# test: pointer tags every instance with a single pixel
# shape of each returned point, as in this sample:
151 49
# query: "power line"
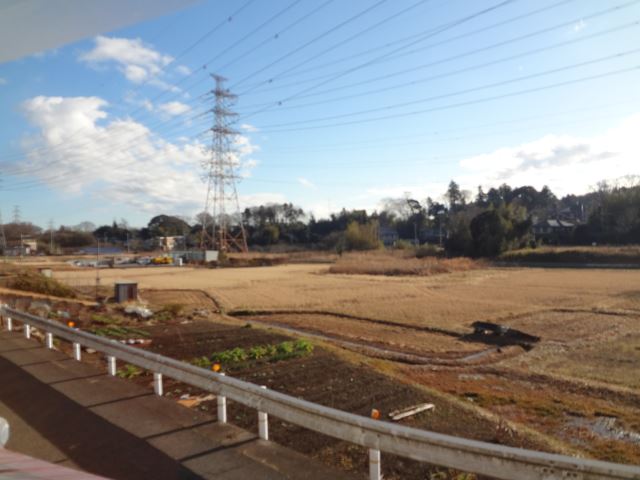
201 39
70 146
378 48
278 130
445 74
311 42
253 32
189 48
435 141
62 147
341 43
254 48
465 103
277 35
65 179
436 31
460 92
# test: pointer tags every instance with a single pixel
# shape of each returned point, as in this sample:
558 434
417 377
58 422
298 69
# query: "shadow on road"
85 438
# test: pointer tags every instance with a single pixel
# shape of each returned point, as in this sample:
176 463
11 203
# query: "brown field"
382 263
575 390
450 301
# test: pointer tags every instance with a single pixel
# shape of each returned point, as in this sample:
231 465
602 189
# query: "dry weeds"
629 254
383 263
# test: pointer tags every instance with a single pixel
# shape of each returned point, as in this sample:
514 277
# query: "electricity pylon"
226 232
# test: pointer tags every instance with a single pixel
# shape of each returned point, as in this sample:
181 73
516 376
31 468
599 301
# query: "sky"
340 104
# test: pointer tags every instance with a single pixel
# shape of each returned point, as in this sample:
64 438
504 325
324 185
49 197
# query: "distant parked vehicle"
162 261
143 260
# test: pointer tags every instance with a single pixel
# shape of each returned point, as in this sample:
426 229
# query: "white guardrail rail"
496 461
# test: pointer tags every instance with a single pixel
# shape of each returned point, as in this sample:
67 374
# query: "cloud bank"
567 164
79 148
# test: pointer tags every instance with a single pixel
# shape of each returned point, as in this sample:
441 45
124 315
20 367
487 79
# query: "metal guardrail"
473 456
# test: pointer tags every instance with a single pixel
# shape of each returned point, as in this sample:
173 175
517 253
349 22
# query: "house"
553 230
26 247
388 236
166 244
30 245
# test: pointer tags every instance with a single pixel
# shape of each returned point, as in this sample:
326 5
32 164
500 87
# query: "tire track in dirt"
389 323
386 353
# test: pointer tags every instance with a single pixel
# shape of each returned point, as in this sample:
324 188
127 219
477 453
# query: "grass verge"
38 283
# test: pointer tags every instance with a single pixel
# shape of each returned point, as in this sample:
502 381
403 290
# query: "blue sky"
342 104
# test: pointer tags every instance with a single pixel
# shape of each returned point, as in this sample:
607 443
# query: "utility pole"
3 238
16 214
97 268
416 210
221 171
50 237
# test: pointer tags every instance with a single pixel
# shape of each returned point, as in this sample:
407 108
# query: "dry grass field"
576 389
382 263
450 301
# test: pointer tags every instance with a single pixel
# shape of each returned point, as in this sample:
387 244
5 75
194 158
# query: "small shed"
126 291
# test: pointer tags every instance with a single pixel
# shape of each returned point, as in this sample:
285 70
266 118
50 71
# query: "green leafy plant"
304 346
203 362
270 353
104 320
286 348
129 371
258 352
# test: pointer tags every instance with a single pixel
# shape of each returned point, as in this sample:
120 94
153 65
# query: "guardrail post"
263 423
4 432
157 384
375 471
222 407
27 330
9 324
77 351
49 340
111 365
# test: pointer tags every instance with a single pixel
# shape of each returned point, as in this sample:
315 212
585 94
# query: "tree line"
475 224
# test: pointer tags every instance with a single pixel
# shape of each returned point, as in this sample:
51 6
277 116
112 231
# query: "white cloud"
147 105
417 191
135 60
80 149
307 183
565 163
174 108
3 81
249 128
579 26
183 70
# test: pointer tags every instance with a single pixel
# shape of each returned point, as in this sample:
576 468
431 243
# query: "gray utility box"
126 292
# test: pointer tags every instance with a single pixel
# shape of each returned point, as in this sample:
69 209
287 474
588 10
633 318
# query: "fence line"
483 458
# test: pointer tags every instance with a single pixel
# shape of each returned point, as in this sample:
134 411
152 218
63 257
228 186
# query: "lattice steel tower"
226 232
3 239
